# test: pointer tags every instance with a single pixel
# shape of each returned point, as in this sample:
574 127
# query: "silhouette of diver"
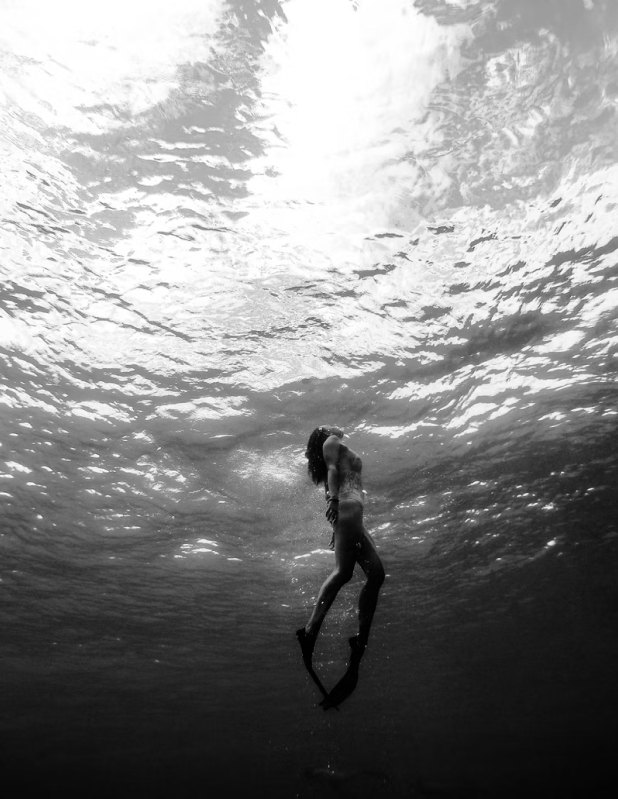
339 468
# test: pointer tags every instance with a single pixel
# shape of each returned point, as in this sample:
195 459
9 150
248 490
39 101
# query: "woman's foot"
307 643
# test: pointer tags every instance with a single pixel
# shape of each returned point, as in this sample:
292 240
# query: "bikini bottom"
351 494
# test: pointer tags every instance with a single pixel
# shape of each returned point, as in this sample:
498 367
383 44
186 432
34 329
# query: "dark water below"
224 223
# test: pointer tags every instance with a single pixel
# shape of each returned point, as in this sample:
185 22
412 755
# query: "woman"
339 469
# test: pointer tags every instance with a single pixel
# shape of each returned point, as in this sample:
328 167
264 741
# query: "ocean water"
224 222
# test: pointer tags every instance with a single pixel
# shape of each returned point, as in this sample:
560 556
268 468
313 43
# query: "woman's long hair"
317 465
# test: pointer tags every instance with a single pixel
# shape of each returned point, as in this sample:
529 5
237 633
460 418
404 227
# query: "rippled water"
224 223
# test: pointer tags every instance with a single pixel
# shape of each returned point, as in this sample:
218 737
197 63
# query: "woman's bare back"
349 474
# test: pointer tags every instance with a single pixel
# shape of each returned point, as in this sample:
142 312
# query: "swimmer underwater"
339 469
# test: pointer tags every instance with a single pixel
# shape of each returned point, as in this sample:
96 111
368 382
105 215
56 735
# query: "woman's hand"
332 511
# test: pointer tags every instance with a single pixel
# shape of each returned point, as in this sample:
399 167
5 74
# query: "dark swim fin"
307 644
344 688
318 682
357 651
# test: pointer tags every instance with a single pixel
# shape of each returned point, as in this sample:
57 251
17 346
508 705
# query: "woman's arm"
331 457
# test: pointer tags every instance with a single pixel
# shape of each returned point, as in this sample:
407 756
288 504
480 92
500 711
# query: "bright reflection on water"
224 223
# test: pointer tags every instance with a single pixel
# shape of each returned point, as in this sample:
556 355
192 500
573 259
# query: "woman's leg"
348 534
369 560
